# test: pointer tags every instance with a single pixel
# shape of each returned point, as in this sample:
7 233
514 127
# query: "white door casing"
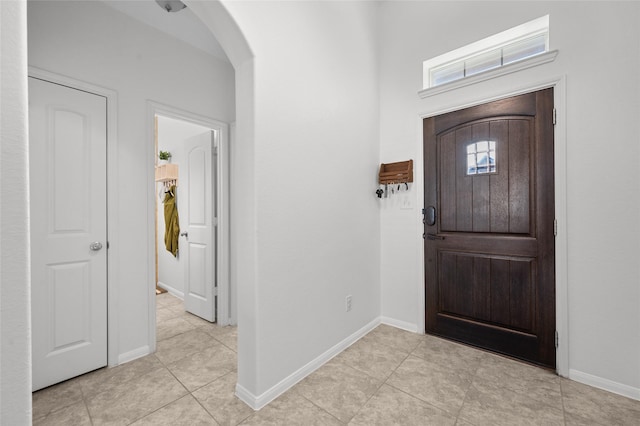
68 214
198 246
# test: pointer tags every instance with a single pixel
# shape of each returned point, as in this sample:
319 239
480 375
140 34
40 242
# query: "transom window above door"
481 157
518 48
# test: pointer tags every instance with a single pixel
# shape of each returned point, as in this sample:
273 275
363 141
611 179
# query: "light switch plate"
406 203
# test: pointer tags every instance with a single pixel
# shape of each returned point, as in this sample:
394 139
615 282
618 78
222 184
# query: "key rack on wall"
400 174
393 173
167 174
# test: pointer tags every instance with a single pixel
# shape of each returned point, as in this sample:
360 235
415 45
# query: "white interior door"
199 249
67 153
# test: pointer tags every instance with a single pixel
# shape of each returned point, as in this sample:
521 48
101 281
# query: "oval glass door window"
481 157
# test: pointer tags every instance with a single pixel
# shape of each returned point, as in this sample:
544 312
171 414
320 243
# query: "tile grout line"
411 353
180 334
86 405
368 399
316 405
487 354
160 408
356 370
189 393
411 395
203 407
464 400
56 409
383 381
564 412
202 327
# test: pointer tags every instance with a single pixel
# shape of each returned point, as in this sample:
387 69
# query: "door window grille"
481 157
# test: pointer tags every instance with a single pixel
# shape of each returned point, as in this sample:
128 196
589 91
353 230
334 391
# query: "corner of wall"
258 401
403 325
605 384
134 354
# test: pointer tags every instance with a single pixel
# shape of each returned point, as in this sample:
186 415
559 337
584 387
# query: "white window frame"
513 35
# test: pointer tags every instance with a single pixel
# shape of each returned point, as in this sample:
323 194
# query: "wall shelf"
167 173
392 173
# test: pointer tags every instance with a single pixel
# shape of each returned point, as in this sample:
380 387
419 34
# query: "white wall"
171 136
600 57
15 312
94 43
316 157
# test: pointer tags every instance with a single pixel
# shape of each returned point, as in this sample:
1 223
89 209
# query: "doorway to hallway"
198 271
186 214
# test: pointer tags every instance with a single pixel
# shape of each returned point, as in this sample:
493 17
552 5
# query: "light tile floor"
389 377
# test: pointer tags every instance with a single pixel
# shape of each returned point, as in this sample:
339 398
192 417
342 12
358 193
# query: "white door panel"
67 146
200 255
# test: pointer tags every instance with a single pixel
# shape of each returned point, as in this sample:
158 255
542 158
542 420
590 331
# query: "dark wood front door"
489 227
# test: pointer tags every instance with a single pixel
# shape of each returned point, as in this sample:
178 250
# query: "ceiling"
183 25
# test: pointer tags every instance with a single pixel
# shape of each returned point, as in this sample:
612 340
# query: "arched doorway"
222 24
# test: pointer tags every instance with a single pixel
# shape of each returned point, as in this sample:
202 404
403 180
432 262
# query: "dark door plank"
500 292
464 183
481 306
499 198
447 210
521 295
481 185
519 176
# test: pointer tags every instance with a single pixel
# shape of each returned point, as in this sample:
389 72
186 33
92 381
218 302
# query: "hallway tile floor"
389 377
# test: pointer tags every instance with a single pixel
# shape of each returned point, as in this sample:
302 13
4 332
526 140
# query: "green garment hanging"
171 222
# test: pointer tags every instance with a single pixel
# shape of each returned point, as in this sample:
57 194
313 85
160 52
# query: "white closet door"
68 154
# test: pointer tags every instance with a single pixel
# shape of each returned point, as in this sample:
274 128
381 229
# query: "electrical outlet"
347 301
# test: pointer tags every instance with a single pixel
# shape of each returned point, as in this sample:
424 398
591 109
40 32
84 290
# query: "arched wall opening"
221 23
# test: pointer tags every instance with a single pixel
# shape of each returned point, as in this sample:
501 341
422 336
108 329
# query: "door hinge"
555 227
555 116
557 339
107 245
215 291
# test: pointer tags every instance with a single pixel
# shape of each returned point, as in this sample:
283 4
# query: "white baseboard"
134 354
246 396
605 384
257 402
177 293
403 325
